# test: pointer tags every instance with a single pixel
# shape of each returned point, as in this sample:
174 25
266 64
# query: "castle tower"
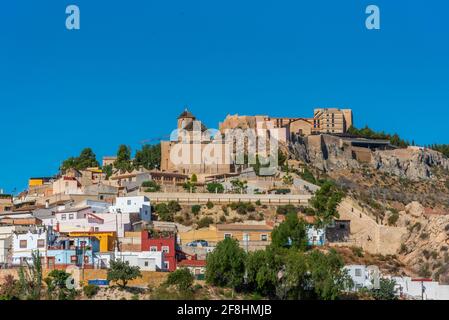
185 118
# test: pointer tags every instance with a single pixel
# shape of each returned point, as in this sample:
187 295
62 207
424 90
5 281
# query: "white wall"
154 259
31 244
140 204
433 290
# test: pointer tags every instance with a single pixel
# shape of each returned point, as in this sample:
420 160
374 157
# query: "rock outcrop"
327 153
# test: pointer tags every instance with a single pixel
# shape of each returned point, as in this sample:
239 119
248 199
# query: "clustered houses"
85 218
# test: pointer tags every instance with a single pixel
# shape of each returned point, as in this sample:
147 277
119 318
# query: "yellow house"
107 239
207 234
250 236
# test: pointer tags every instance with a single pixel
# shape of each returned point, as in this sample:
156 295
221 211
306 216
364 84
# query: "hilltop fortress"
193 138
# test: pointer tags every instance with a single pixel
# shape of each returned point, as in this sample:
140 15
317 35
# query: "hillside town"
161 212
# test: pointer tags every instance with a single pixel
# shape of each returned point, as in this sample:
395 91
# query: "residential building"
331 120
67 185
6 203
137 204
251 237
35 239
145 260
195 266
165 242
316 236
107 240
74 251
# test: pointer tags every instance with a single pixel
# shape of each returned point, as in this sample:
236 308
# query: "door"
50 262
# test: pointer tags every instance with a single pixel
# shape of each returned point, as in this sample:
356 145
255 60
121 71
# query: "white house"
145 260
37 239
137 204
6 233
315 236
363 276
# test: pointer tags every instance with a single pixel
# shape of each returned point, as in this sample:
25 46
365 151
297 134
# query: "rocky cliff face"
328 153
425 247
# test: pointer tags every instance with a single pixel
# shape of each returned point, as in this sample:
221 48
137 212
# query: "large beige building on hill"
190 144
325 120
192 140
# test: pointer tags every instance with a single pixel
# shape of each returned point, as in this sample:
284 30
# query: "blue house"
73 251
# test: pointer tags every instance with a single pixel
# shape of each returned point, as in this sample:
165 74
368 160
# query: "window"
165 249
63 217
166 265
128 202
227 235
71 216
86 259
40 243
358 272
23 244
73 259
146 263
263 237
153 248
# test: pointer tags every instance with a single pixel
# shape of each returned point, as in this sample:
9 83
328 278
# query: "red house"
164 243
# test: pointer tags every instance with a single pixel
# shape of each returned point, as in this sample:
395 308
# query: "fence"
193 198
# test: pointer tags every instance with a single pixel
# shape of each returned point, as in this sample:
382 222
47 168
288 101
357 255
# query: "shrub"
196 208
181 278
215 187
225 210
179 219
286 209
424 235
258 203
357 251
209 204
173 206
222 219
393 218
164 213
151 186
205 222
403 248
90 290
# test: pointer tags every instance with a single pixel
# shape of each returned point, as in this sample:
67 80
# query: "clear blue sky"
134 65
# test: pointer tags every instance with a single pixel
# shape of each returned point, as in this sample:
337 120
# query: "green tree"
215 187
226 265
86 159
164 213
57 287
181 278
148 157
294 282
121 272
387 290
108 170
194 178
173 206
30 278
189 186
262 267
123 161
239 186
327 274
290 233
196 208
325 202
